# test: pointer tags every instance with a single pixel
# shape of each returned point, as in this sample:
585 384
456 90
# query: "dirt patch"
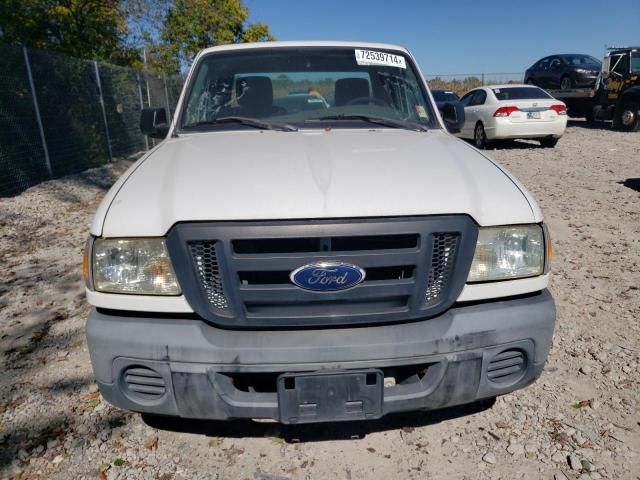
580 420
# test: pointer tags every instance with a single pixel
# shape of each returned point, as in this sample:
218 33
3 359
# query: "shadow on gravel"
42 429
99 180
599 125
514 145
511 145
632 183
318 432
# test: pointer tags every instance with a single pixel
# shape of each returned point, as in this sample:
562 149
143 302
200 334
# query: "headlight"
508 252
133 265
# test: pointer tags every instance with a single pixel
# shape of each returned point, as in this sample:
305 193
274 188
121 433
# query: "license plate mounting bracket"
330 396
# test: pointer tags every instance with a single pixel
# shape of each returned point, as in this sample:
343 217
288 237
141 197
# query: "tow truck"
616 95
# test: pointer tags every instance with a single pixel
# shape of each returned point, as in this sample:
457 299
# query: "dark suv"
564 72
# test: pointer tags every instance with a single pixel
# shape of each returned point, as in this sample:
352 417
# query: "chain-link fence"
61 115
463 82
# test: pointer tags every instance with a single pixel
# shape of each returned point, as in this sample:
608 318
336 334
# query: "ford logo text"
327 276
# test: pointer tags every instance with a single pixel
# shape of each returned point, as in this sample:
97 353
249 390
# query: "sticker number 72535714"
372 57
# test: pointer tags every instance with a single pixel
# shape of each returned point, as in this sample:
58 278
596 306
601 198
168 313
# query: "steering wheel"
367 101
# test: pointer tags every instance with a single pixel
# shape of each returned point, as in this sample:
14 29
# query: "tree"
257 32
192 25
92 29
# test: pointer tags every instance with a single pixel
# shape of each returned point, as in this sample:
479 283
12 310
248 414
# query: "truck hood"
269 175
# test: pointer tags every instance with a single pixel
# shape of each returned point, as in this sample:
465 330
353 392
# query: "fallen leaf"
236 450
216 441
12 405
502 425
582 404
371 450
152 443
90 396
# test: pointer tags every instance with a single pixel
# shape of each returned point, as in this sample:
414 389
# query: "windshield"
635 62
520 93
578 60
306 88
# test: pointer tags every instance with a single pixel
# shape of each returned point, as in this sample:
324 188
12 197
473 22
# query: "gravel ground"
580 420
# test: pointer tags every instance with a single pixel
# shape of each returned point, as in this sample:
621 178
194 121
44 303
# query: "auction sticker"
372 57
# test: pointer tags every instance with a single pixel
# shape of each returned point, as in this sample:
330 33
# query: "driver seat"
348 89
255 96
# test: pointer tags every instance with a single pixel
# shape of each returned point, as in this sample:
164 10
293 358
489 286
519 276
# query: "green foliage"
145 22
192 25
92 29
170 32
145 19
257 32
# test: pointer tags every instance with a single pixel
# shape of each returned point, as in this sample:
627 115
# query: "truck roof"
316 43
619 49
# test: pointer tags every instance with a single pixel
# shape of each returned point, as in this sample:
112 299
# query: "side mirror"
453 116
153 122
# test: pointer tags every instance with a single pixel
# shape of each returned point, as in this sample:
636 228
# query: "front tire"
566 83
480 137
629 117
549 142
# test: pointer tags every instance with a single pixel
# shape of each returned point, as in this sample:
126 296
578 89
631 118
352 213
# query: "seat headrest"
255 95
347 89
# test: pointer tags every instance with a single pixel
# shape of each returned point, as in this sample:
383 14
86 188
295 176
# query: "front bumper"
585 81
201 366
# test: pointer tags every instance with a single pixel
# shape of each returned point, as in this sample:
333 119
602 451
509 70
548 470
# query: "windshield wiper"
387 122
251 122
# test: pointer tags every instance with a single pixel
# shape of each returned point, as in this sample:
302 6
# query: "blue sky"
473 36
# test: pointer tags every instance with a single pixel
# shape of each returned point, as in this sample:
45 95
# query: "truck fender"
630 93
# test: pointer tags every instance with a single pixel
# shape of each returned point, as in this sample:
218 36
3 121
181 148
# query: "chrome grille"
442 262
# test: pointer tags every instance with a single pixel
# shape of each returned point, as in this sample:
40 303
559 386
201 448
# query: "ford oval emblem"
327 276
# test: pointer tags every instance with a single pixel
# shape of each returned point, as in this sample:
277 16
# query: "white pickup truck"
310 243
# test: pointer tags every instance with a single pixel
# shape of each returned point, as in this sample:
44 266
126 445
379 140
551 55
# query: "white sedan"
512 111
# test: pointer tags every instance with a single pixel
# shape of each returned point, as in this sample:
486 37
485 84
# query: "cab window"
635 62
467 98
544 64
620 64
479 98
555 63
